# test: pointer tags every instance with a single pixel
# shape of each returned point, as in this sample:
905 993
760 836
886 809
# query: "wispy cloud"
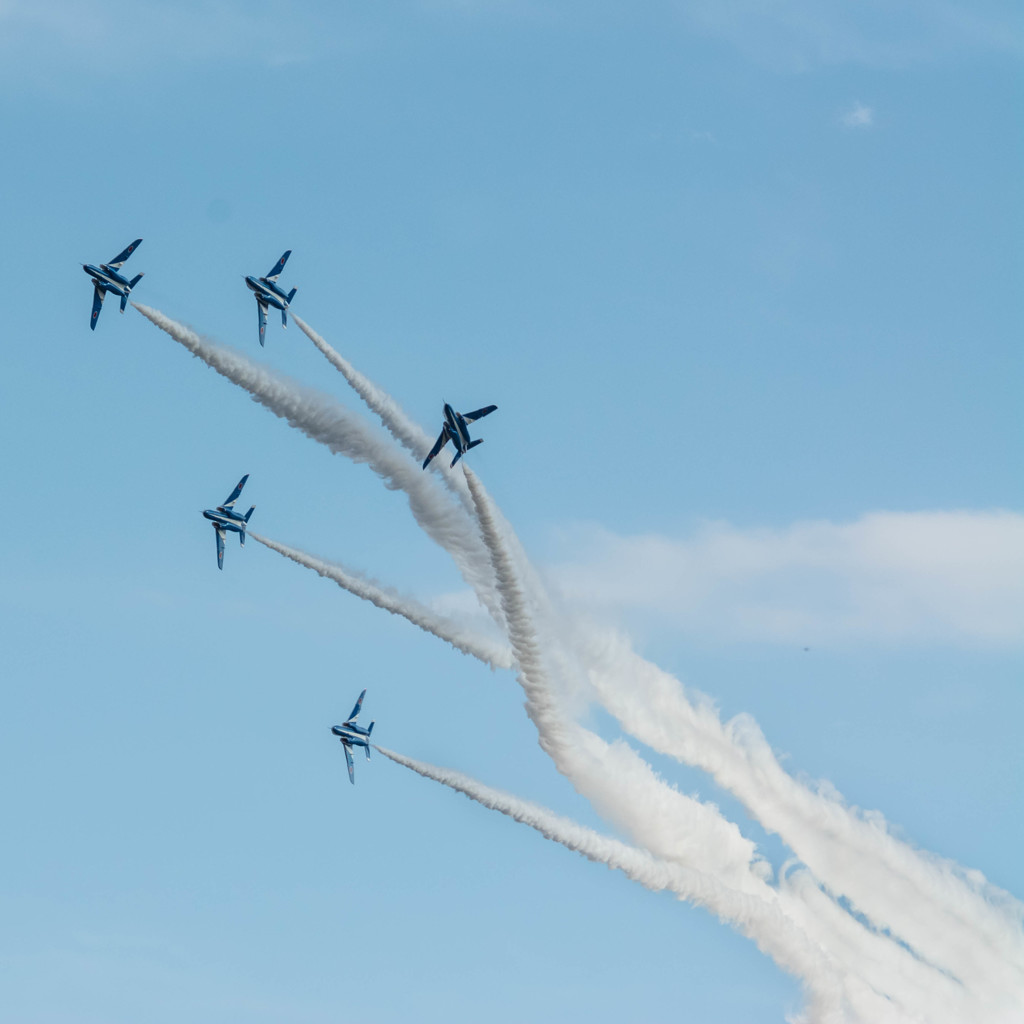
859 116
795 35
39 39
947 577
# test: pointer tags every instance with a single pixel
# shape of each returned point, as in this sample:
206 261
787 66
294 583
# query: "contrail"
932 941
612 776
959 924
401 426
879 959
405 430
541 709
334 426
490 652
758 918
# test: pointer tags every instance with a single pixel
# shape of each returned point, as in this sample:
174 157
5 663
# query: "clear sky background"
745 286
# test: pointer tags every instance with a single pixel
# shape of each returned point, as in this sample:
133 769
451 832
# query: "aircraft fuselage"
108 279
268 292
226 519
351 734
458 429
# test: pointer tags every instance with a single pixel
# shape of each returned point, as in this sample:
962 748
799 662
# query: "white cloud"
859 116
939 577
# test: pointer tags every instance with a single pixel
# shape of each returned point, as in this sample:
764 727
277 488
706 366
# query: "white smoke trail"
331 424
490 652
650 710
953 920
402 427
950 918
879 959
405 430
832 997
618 782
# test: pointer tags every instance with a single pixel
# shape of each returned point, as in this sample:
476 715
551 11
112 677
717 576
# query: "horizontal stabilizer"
473 444
135 280
291 294
124 302
249 513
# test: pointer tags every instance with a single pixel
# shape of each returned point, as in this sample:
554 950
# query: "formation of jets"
107 278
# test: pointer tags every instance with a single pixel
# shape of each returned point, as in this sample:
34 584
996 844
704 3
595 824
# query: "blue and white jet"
268 294
456 430
105 278
352 735
224 518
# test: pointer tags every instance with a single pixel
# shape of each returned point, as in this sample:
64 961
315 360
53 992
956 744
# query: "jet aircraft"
352 735
224 518
105 278
268 294
455 429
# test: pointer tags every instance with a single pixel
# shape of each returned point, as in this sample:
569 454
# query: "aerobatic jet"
268 294
352 735
105 278
224 518
455 429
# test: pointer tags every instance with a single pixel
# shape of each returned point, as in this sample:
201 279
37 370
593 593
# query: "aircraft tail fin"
368 731
291 294
284 317
249 513
458 455
124 302
135 280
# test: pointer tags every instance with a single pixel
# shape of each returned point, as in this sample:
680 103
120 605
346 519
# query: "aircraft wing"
220 546
355 711
478 414
97 305
275 270
233 496
119 259
262 306
351 766
442 440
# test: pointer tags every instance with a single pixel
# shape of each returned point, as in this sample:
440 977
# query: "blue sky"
745 288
